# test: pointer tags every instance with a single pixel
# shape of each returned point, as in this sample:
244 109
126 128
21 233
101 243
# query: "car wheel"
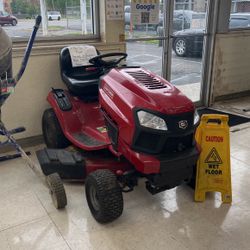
58 18
52 132
180 47
14 22
50 18
104 195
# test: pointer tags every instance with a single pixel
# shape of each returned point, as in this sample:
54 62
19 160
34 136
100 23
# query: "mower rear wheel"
57 190
52 132
104 196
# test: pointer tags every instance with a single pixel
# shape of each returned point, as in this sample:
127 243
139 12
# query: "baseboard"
26 142
232 96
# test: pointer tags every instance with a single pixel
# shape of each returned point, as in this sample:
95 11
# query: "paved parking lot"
56 28
184 70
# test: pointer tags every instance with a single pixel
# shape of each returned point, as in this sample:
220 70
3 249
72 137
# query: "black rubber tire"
57 190
50 18
14 23
59 18
52 132
177 52
108 195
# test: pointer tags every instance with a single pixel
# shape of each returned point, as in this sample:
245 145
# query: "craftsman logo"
213 157
183 124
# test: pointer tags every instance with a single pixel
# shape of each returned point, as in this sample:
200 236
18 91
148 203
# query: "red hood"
150 91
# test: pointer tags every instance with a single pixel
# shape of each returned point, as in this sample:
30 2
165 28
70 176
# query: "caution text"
214 138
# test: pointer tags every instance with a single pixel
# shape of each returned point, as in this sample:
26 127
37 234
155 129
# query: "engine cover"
124 91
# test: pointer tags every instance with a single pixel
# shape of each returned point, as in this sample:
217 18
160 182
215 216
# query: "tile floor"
169 220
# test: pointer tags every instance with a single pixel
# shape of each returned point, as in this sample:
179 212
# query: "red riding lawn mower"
126 123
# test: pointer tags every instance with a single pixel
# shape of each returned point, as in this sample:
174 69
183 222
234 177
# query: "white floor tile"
40 234
19 206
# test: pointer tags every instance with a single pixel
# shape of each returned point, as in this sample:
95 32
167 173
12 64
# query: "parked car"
239 20
6 18
190 41
54 15
182 20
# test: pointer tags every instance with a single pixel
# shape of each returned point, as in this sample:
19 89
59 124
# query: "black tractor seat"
81 81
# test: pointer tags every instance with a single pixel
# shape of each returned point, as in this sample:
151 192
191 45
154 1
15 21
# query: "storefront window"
60 18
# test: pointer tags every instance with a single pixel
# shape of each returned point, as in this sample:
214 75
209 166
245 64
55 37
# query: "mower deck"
76 165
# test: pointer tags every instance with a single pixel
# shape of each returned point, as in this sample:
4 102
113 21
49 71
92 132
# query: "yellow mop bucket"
213 167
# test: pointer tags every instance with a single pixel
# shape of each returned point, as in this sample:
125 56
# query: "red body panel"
144 163
82 118
119 95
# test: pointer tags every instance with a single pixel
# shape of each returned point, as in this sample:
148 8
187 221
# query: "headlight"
149 120
196 117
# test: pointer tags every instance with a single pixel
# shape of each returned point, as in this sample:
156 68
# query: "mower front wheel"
57 190
104 196
52 132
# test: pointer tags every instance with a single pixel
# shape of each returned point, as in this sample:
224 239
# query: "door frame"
208 47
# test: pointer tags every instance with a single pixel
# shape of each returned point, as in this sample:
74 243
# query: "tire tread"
55 184
110 195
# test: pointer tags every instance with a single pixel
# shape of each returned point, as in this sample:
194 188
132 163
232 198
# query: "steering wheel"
99 62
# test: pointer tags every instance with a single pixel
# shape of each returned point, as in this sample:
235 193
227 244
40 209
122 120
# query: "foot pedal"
87 140
69 165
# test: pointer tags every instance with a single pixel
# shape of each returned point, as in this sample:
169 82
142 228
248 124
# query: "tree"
25 7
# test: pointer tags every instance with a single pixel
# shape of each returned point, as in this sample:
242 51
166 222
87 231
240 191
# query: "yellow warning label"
102 129
213 166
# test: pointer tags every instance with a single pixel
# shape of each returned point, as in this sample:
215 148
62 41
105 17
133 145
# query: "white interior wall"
231 74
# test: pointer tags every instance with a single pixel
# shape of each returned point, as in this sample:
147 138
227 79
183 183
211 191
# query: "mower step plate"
69 165
88 141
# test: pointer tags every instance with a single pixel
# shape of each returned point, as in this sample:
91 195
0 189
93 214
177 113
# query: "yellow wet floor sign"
213 167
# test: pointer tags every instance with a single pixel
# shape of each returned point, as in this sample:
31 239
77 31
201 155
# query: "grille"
178 144
160 144
147 80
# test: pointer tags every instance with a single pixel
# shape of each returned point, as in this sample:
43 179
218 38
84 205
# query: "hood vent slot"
146 80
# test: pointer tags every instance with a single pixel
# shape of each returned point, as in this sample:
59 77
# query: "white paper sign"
80 54
145 11
115 9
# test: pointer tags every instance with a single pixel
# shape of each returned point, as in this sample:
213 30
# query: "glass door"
188 46
176 47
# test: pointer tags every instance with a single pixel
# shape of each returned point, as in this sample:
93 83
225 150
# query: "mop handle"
28 49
